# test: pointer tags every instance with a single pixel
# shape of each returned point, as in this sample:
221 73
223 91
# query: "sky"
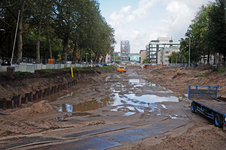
141 21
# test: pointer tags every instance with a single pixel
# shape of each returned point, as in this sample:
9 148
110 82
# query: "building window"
152 49
167 46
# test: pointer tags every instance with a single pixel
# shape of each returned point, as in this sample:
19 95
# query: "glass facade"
135 57
125 50
115 56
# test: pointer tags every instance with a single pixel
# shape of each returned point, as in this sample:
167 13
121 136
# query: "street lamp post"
86 58
189 53
15 38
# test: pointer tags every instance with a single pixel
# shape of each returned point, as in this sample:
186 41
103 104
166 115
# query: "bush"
221 70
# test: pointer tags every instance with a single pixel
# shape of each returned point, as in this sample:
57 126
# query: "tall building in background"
125 50
158 51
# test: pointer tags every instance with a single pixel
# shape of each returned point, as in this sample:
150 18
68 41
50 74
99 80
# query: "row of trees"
207 34
60 29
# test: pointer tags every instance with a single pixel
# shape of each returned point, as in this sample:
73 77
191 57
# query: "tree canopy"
207 33
61 29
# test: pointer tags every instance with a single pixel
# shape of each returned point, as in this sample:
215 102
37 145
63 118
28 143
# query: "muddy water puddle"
128 103
141 82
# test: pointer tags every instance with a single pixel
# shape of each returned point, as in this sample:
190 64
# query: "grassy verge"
109 68
221 70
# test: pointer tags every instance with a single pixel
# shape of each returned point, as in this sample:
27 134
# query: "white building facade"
158 51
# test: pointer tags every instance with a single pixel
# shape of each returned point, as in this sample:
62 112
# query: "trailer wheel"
218 121
193 107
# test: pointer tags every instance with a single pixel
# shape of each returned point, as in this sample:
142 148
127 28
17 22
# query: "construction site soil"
50 116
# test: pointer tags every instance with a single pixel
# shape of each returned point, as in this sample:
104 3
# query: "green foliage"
72 26
207 32
203 75
20 72
222 70
109 68
146 60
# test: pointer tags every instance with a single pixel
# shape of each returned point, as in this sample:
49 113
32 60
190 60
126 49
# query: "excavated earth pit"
123 110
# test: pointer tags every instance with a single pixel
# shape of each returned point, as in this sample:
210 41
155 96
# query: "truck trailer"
205 101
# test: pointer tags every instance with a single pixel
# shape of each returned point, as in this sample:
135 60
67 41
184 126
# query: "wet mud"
107 100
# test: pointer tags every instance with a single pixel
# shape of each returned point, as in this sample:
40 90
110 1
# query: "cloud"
140 25
180 17
118 20
126 16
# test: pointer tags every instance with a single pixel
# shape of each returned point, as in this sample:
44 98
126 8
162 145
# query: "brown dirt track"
199 133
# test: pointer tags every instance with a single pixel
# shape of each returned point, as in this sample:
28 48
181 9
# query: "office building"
125 51
142 55
135 57
158 51
115 57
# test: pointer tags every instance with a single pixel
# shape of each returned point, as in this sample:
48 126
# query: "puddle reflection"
141 82
129 113
130 101
136 102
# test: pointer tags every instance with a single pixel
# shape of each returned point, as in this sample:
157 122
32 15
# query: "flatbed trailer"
205 101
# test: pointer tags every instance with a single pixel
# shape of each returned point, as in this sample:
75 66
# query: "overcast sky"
141 21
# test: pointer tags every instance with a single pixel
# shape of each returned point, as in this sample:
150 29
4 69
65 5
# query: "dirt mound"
16 122
42 107
178 74
200 137
203 67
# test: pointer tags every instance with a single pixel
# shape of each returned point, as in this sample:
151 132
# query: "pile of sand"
15 122
203 67
198 137
42 107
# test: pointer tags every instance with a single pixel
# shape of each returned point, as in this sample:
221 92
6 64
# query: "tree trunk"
81 51
38 44
90 56
20 40
49 44
95 57
65 47
98 58
208 59
75 51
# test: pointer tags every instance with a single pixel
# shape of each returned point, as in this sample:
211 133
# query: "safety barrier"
18 100
26 67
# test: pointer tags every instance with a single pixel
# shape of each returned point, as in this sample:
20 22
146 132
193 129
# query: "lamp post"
189 53
86 58
15 38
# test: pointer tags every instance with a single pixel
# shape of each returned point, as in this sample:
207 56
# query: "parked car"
121 69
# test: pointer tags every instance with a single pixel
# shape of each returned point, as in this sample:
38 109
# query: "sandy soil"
43 117
178 79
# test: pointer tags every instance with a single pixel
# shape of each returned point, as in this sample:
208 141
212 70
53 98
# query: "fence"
176 65
30 67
